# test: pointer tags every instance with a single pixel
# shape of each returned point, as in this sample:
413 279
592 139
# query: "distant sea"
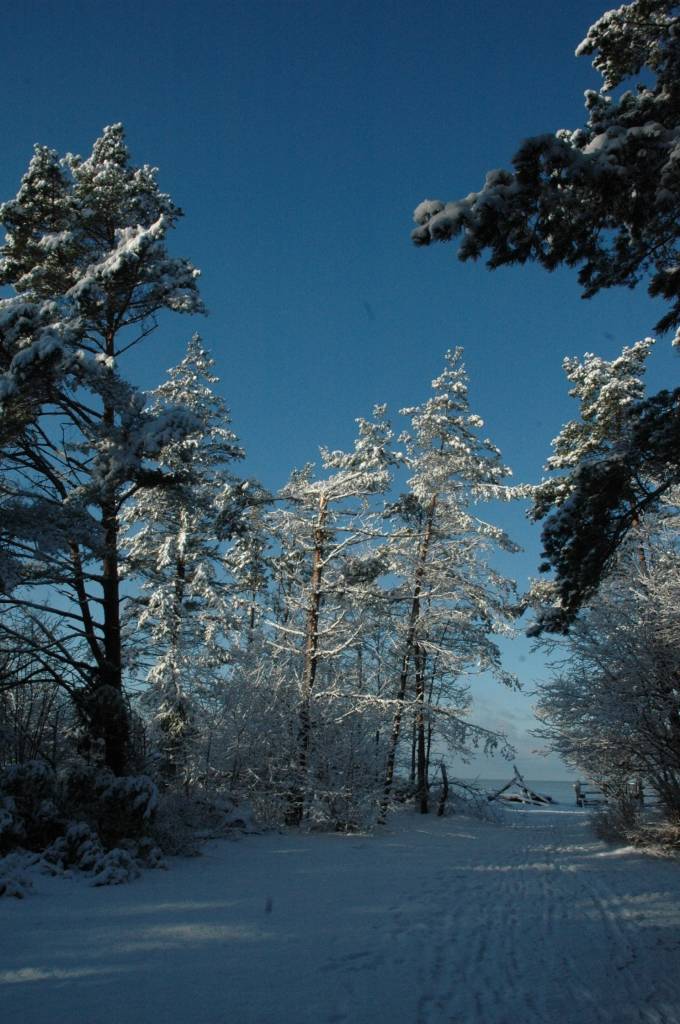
562 792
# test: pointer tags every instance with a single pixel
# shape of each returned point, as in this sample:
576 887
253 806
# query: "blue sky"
298 137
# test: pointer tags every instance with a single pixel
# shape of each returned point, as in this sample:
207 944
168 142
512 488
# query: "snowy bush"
659 836
14 880
618 821
269 803
628 821
469 799
85 819
173 826
146 852
28 812
337 811
183 821
10 830
118 808
115 867
10 886
77 789
125 806
81 848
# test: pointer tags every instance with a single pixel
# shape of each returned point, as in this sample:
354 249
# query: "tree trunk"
296 799
110 709
421 789
111 712
409 647
414 747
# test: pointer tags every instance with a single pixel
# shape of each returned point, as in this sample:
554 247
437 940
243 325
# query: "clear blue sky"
298 137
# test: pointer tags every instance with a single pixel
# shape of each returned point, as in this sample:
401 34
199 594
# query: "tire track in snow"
625 954
538 937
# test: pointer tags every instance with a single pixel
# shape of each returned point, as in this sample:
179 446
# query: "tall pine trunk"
113 715
113 720
311 661
421 758
409 649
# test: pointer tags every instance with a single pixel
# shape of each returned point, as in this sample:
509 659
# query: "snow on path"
435 921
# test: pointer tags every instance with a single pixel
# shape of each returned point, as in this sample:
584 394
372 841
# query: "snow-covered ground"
434 921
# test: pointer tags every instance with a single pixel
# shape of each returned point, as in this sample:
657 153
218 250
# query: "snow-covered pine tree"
325 569
605 389
246 558
604 198
588 448
85 254
184 614
243 726
453 600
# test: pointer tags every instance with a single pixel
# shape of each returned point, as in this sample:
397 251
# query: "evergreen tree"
325 569
588 449
174 540
604 198
452 597
85 254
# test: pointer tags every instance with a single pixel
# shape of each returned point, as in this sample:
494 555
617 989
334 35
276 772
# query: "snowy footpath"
434 921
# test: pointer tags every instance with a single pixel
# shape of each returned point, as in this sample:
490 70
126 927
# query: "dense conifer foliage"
85 254
604 198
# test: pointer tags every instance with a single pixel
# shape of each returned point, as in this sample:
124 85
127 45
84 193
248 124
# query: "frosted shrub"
125 806
662 836
342 810
80 847
14 880
174 826
8 824
115 867
473 805
182 822
628 821
77 793
146 852
29 784
616 822
86 819
118 808
270 804
28 813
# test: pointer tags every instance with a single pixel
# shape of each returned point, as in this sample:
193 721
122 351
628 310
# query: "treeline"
164 615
